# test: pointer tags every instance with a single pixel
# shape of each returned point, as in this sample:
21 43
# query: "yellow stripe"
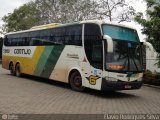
28 65
36 57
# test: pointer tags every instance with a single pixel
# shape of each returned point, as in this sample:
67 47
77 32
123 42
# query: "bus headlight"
139 79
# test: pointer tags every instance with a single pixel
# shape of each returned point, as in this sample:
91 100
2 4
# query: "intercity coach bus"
93 54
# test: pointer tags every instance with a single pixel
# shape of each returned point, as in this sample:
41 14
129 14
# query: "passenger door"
94 54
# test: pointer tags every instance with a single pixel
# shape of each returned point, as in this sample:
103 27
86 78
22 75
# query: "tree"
49 11
118 10
63 11
151 27
22 18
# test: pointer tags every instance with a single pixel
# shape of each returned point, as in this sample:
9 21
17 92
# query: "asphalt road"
40 96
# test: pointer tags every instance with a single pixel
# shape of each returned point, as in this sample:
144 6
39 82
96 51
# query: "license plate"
127 86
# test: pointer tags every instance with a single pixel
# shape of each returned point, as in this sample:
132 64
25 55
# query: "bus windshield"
126 49
120 33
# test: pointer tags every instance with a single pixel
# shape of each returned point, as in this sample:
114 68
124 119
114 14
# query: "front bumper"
120 85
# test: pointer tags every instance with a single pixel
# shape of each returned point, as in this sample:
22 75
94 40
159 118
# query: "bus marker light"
84 60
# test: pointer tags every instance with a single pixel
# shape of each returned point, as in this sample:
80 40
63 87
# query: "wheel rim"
77 81
11 69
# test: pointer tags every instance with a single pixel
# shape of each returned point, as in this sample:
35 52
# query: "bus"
87 54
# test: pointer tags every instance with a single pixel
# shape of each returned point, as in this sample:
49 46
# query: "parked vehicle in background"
152 72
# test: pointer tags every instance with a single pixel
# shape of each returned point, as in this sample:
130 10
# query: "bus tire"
18 70
11 69
76 81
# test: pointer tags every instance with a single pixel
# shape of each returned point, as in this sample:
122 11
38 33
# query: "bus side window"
35 38
57 36
44 37
9 41
24 39
73 35
93 45
6 42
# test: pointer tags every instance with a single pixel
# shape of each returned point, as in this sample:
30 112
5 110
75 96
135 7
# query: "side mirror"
109 43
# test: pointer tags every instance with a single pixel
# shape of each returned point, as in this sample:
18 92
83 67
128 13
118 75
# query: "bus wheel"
76 81
18 70
11 69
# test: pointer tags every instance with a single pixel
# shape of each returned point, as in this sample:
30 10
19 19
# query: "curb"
153 86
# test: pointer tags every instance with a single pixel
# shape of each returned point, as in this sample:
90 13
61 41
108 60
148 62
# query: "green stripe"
52 60
43 59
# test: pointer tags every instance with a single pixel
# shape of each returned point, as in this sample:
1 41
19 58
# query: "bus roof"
105 22
56 25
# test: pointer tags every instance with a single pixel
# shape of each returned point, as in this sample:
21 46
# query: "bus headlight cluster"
139 79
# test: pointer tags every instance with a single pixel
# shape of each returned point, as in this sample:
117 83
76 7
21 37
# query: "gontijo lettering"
22 51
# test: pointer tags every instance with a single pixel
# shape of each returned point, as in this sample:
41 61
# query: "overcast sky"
7 6
140 6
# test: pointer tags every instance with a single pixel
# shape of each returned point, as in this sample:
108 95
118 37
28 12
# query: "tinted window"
73 35
121 33
34 34
58 35
92 32
125 54
6 41
93 45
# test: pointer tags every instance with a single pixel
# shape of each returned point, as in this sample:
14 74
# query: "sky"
7 6
140 6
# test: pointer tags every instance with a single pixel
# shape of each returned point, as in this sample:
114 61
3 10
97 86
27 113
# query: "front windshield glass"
126 56
120 33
